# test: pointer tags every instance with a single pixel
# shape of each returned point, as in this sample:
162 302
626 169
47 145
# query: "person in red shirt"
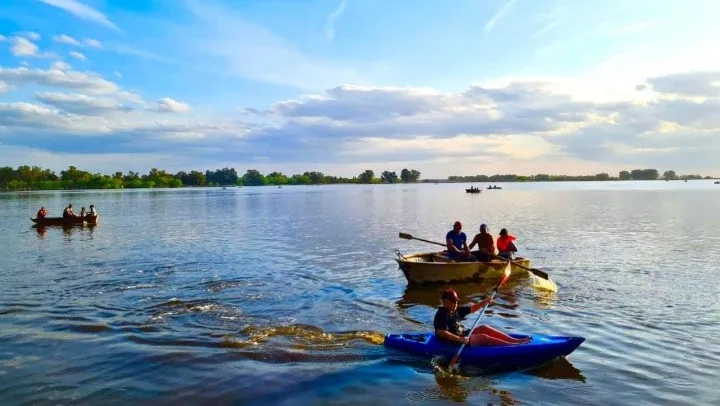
505 244
42 213
485 243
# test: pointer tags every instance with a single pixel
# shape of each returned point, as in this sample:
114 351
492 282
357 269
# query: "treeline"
37 178
635 174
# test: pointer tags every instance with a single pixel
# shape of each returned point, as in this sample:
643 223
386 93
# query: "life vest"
504 242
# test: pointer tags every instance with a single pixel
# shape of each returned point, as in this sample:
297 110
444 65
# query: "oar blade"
540 273
406 236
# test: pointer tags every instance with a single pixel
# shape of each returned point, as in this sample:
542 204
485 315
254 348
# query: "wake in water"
301 336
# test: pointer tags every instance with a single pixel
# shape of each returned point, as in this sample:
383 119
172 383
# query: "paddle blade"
406 236
506 274
454 361
544 284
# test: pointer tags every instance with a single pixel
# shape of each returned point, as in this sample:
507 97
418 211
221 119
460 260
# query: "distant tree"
276 178
388 177
541 177
316 178
414 175
405 176
367 176
253 177
669 175
625 175
602 176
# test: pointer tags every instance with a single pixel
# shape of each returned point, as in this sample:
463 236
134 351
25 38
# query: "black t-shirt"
450 321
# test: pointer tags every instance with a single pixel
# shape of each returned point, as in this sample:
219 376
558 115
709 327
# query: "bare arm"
450 336
451 246
473 243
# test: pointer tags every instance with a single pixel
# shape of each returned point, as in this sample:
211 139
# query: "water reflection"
68 230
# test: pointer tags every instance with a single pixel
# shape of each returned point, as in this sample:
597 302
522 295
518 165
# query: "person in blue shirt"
457 248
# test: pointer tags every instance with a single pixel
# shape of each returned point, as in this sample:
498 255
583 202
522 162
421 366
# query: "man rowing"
485 243
447 324
68 212
456 242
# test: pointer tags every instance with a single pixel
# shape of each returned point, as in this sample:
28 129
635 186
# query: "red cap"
450 294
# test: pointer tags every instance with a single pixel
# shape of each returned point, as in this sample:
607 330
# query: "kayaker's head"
450 299
457 226
483 228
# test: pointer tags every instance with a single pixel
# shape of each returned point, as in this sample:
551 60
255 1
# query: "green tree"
388 177
276 178
670 175
367 176
253 177
625 175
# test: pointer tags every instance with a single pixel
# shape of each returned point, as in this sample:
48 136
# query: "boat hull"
542 349
431 268
65 222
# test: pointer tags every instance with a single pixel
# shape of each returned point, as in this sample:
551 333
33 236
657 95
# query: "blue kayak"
541 349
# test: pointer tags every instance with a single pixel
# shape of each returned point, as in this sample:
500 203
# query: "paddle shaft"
534 271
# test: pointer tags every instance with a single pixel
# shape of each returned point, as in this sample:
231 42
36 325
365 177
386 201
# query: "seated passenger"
485 243
42 213
83 213
456 241
68 212
505 245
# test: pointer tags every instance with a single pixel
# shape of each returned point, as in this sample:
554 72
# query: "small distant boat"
65 222
717 182
473 190
494 187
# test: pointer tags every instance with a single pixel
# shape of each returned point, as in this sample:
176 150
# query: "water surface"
281 295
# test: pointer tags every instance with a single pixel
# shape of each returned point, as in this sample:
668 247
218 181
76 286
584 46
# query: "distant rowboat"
67 222
473 190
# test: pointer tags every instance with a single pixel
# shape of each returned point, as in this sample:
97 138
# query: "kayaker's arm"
479 305
450 336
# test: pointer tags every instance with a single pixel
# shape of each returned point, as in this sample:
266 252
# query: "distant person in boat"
505 245
68 212
447 324
93 212
83 213
42 213
485 243
456 242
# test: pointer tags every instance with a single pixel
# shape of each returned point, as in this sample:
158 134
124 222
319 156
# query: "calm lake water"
282 295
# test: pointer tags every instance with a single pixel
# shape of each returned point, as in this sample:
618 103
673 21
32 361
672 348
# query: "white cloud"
504 10
59 65
92 43
82 11
66 39
24 47
85 81
332 19
127 50
80 103
168 105
77 55
33 36
4 87
3 38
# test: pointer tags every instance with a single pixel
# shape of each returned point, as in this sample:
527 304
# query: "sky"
448 88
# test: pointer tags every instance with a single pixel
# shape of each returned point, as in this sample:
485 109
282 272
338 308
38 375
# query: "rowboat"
66 222
473 190
433 267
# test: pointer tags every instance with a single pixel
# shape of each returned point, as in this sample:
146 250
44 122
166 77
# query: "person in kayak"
505 244
485 243
456 241
447 324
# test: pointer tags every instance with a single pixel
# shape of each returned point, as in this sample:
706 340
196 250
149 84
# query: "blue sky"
460 87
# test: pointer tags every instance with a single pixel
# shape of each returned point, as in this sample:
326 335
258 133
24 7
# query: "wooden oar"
534 271
505 277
